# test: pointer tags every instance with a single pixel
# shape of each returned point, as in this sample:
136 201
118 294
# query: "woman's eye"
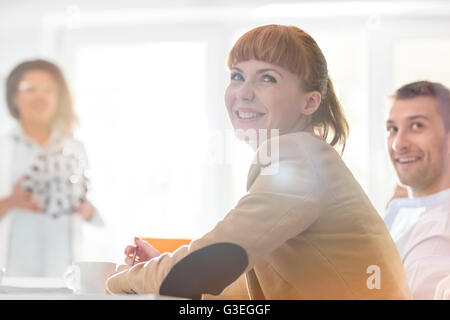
50 90
237 76
416 125
268 78
391 129
28 89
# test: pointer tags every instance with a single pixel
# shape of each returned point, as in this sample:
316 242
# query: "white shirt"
420 228
41 243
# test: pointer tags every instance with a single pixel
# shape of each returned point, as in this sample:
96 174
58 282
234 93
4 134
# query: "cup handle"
72 278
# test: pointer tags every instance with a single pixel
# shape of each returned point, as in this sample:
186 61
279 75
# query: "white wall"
363 41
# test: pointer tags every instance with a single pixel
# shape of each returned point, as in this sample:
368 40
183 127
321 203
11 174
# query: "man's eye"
416 125
237 76
268 78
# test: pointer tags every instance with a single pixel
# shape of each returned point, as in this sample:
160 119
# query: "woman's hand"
23 199
143 251
85 210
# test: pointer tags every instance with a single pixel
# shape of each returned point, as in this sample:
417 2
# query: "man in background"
418 143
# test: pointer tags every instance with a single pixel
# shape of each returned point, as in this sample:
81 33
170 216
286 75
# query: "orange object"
166 244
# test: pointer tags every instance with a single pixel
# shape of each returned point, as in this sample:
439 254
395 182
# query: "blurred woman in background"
43 182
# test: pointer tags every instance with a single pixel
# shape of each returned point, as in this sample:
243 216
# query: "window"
145 130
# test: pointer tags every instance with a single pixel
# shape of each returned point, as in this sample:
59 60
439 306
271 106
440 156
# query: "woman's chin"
38 121
246 132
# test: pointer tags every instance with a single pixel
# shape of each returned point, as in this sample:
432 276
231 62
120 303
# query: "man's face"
418 144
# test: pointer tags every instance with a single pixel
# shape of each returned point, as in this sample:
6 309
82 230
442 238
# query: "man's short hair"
427 89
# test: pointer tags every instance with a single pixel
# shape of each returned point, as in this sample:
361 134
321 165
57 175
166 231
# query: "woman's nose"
246 92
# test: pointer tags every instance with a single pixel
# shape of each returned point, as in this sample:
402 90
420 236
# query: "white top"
41 244
420 228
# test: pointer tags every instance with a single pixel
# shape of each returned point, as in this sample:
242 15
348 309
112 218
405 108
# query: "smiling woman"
286 73
261 96
305 230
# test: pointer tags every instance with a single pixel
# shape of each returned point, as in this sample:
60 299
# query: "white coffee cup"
89 277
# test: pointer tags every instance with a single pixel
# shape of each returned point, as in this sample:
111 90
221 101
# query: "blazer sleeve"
278 206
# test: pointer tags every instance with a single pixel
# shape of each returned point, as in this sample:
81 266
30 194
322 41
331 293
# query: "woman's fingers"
29 204
142 251
33 206
27 195
37 206
129 260
131 255
129 250
146 250
86 210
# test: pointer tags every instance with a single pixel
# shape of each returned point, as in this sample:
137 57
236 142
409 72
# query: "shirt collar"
427 201
19 135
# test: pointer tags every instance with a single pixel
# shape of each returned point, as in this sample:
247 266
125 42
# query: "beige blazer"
309 232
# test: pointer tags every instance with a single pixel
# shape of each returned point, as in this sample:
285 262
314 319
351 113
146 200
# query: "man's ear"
313 100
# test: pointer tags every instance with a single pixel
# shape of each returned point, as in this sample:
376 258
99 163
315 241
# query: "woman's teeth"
248 115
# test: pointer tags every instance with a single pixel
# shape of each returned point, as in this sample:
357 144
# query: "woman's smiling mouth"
248 116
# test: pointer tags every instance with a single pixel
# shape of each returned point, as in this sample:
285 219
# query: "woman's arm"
5 206
277 208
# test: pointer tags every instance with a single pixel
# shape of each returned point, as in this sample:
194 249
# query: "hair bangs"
274 44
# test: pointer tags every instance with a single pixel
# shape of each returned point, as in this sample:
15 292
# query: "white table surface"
41 289
33 282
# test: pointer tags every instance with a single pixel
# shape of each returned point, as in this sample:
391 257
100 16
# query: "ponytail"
329 116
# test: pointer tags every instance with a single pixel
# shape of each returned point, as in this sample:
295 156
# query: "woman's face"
264 96
37 98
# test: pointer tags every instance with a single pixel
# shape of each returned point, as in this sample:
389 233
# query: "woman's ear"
313 100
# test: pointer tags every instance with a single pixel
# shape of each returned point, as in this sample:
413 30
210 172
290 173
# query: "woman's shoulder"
306 147
290 162
68 138
302 154
72 143
7 134
305 139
